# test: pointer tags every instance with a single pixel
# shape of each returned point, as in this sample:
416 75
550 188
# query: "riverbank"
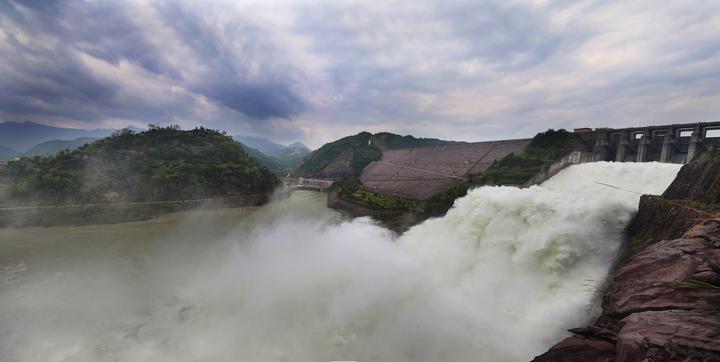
111 213
661 303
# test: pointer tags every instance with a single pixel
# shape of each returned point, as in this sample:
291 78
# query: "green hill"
348 156
159 164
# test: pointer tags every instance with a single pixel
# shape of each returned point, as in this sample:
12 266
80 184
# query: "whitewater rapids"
499 278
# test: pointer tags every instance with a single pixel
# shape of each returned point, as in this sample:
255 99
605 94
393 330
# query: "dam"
676 143
498 279
419 173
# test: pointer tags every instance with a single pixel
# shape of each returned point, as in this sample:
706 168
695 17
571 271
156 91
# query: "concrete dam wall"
676 143
418 173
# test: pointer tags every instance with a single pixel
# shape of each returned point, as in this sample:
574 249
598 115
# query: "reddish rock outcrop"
653 309
648 314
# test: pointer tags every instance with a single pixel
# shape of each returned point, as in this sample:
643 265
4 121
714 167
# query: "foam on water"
499 278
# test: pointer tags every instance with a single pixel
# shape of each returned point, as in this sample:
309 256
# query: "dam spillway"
499 278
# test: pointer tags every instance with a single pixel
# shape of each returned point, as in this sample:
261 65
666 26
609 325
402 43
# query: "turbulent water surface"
499 278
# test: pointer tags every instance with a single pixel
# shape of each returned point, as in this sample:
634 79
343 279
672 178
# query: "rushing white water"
499 278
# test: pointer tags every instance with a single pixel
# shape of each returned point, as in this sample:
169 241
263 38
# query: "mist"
499 278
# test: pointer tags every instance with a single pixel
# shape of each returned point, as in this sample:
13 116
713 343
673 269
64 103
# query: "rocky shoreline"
661 303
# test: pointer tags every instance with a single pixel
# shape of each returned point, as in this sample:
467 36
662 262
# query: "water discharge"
499 278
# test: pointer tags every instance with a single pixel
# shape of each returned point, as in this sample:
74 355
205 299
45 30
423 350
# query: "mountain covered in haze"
51 147
278 158
7 153
21 136
262 144
277 166
293 152
348 156
298 145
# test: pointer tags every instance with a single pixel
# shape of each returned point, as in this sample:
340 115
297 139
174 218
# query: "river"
499 278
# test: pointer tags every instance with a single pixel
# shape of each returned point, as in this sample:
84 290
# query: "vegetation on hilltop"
348 156
159 164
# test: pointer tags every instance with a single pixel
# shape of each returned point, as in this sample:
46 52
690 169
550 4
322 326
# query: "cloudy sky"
318 70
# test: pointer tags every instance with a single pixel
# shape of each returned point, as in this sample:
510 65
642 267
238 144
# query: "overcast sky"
318 70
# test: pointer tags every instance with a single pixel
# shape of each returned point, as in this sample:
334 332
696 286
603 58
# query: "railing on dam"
302 183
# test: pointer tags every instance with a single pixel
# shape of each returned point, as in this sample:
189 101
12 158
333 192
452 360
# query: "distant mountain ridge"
7 153
278 167
298 145
287 155
21 136
262 144
19 139
51 147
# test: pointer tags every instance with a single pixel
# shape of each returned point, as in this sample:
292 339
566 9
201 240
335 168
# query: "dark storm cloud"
101 29
511 68
323 69
244 72
47 71
500 31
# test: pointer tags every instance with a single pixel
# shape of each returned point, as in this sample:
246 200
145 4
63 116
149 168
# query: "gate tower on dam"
676 143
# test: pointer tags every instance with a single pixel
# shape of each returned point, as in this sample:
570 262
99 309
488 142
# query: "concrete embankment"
572 158
661 304
396 220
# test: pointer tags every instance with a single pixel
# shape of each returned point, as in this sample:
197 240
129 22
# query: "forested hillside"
159 164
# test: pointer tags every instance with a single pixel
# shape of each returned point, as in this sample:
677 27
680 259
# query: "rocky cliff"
663 299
